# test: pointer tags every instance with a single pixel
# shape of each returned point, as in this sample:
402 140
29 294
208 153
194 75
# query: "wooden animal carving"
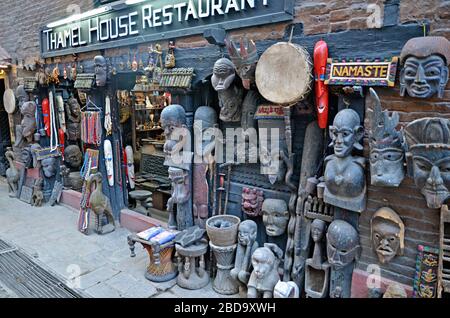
100 204
12 175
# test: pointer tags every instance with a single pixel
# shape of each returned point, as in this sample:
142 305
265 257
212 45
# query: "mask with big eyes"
387 231
342 244
109 162
424 77
386 166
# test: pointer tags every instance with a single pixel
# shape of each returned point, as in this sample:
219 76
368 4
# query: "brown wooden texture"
421 223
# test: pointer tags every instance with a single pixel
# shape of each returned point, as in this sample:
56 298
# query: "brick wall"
20 25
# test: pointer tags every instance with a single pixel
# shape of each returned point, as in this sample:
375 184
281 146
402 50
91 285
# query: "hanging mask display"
388 234
130 166
109 162
428 158
425 63
46 115
61 115
244 58
386 146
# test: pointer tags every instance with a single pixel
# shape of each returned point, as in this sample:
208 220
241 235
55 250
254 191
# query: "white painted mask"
109 162
130 165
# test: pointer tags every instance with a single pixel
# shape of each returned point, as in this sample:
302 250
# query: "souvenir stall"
273 168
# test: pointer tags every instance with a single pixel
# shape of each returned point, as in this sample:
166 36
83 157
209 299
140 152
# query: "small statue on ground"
12 175
247 245
38 196
265 276
100 205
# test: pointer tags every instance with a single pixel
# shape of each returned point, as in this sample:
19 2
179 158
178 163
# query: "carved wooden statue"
275 216
317 272
345 174
100 205
428 158
73 118
388 234
12 175
38 196
386 147
230 95
247 245
101 70
205 121
25 131
342 250
265 276
425 63
182 217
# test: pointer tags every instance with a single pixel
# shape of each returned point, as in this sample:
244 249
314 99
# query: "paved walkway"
97 266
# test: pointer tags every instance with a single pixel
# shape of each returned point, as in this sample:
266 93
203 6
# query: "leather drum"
284 73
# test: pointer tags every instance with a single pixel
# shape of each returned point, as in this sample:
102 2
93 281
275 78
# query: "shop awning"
5 58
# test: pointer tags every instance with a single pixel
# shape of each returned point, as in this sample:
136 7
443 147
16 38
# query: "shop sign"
120 24
350 72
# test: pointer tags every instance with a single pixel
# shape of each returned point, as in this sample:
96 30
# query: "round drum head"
284 73
9 100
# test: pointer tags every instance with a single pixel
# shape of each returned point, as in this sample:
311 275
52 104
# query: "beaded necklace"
91 128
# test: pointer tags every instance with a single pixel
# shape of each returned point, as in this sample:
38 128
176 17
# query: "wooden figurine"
100 205
230 95
342 250
12 175
264 277
73 117
247 245
345 179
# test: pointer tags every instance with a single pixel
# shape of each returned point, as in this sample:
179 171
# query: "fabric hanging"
91 128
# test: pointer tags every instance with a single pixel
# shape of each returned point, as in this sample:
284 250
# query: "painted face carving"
317 230
100 70
346 133
272 165
130 166
247 232
425 66
73 157
429 158
275 216
109 162
388 232
342 244
386 147
49 167
223 74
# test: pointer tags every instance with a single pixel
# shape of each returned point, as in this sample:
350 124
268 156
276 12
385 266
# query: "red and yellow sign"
361 72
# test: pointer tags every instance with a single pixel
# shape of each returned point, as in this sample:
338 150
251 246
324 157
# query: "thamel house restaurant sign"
130 22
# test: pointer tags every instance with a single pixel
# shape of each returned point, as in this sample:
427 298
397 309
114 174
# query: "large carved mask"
244 58
275 216
386 147
428 158
388 234
342 244
223 74
425 63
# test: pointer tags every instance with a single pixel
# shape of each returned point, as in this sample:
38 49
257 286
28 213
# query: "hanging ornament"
134 65
170 57
65 72
109 161
108 119
46 115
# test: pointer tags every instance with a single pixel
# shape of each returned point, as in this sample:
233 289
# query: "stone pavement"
96 266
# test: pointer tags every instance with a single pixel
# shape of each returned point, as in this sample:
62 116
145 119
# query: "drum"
284 73
9 100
